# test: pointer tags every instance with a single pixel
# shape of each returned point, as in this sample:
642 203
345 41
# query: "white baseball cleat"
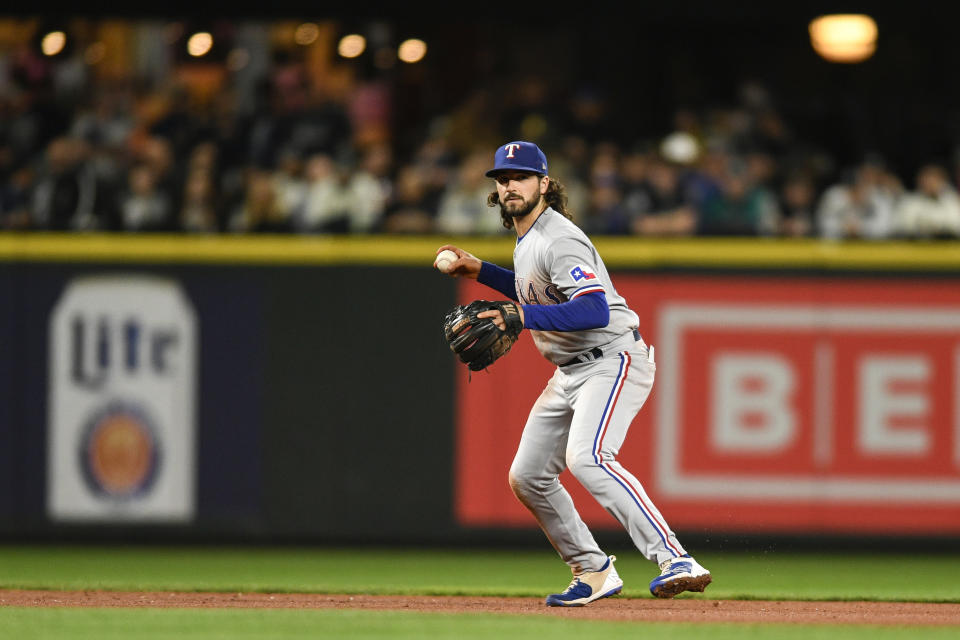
589 586
678 575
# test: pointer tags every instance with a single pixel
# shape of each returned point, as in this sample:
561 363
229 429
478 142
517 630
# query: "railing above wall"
617 252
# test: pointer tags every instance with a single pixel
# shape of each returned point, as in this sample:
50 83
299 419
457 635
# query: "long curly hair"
556 197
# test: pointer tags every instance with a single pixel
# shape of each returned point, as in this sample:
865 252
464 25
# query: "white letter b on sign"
751 410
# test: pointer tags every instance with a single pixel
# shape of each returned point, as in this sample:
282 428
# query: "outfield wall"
300 388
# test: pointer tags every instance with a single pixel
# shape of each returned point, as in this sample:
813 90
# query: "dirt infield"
622 609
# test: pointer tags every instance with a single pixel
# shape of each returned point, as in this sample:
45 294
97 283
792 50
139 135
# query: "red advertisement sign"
781 404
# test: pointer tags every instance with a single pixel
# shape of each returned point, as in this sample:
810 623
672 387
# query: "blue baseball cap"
519 156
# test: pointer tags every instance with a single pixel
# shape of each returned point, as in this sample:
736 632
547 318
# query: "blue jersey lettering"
532 294
552 291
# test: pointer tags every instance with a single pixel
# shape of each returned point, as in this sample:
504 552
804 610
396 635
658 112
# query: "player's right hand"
467 266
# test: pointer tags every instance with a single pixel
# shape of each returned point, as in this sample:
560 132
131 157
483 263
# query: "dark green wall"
324 401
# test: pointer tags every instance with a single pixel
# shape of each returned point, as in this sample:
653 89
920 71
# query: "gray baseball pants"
580 422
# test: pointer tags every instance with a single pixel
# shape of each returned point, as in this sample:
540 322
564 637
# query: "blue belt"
594 354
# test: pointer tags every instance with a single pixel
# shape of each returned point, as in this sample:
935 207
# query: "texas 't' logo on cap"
519 156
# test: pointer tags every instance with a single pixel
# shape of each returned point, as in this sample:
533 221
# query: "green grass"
930 578
211 624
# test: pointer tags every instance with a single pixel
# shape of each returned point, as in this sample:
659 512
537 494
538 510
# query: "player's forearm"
588 311
498 278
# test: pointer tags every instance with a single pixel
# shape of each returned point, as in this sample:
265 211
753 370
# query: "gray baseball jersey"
555 262
582 417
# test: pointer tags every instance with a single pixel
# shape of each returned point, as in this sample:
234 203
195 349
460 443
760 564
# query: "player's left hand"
479 341
498 317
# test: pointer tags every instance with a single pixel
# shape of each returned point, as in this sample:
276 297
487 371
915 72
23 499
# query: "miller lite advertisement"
122 409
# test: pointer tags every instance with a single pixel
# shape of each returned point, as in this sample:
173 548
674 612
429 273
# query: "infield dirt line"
622 609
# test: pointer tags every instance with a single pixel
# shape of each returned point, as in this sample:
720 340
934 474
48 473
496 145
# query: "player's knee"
525 483
519 482
581 463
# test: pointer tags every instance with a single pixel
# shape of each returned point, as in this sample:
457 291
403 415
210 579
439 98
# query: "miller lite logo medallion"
120 452
121 401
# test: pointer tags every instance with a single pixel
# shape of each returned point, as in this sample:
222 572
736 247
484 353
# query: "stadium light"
846 38
53 43
412 50
306 34
199 44
352 45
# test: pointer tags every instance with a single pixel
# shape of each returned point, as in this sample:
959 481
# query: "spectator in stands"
291 185
369 109
634 174
205 156
68 195
145 206
933 210
15 198
322 126
176 122
158 154
687 124
20 128
761 168
367 198
860 206
375 185
259 212
741 208
658 205
34 119
605 164
463 209
705 180
339 197
571 164
409 209
769 134
282 99
106 122
607 214
198 213
797 205
436 163
325 206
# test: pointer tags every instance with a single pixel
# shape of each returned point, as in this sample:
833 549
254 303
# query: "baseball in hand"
444 259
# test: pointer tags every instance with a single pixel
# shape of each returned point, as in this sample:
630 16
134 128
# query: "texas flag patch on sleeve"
579 273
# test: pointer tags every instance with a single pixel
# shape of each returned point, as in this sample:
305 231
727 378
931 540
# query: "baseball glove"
478 342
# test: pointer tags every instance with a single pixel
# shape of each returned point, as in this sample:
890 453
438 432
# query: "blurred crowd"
82 154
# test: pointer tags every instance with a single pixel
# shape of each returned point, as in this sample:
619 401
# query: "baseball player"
604 374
